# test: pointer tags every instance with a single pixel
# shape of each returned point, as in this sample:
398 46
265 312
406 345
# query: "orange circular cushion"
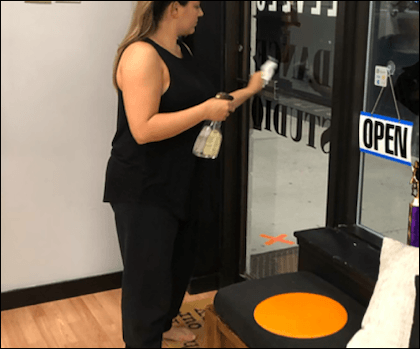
301 315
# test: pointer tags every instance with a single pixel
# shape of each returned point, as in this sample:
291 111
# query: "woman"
163 100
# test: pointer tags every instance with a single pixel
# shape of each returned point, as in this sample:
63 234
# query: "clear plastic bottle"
207 145
208 142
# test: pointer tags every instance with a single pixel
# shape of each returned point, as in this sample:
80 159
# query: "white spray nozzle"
268 69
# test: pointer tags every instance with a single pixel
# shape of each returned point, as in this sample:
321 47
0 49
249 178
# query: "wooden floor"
91 321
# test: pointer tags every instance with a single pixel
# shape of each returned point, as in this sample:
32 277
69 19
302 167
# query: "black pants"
158 253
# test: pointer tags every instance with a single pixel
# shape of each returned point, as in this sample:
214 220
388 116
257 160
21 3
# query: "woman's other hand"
218 109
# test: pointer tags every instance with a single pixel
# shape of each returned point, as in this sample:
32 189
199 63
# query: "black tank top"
161 173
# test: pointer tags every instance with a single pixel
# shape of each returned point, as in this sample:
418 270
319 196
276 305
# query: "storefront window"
385 191
290 133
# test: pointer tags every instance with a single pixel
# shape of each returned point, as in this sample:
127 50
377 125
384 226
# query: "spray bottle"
208 142
207 145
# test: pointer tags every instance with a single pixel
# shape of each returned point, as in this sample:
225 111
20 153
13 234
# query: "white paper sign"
381 76
386 137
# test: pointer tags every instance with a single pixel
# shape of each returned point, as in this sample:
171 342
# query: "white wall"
58 117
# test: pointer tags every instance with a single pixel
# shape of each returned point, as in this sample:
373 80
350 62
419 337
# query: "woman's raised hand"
256 83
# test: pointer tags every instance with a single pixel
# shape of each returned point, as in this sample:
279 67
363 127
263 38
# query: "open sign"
386 137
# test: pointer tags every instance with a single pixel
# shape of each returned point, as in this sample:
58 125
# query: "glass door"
384 187
290 132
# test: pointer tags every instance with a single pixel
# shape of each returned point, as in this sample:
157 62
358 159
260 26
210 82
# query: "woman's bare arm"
142 84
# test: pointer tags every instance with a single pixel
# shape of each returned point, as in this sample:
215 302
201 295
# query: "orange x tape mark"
280 238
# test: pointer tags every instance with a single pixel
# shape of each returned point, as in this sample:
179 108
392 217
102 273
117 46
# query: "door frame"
344 160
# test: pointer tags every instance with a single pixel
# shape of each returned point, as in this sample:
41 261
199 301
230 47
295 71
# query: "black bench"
337 263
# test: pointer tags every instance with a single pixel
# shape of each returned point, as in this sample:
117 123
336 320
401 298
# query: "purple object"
415 227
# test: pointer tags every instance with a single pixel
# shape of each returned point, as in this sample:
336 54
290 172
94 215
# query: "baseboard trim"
76 288
69 289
